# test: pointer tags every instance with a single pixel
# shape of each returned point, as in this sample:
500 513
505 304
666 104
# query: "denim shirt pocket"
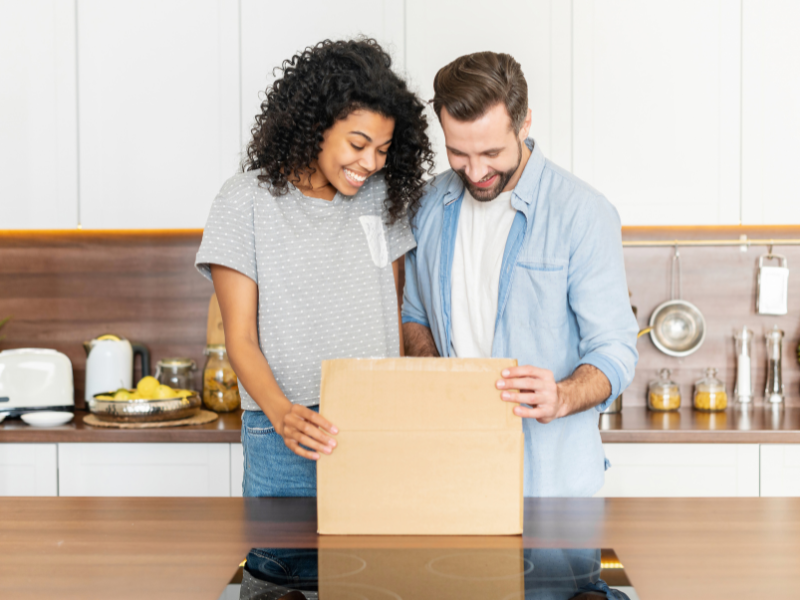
540 294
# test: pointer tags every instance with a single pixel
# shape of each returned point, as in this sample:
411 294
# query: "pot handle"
644 331
144 354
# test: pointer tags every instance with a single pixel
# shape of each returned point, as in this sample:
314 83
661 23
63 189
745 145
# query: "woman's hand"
301 425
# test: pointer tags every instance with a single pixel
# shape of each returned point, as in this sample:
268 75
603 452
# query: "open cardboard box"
425 446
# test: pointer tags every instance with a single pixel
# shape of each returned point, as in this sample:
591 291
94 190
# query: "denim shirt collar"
527 188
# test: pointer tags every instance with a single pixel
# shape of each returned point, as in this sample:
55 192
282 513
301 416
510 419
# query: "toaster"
34 379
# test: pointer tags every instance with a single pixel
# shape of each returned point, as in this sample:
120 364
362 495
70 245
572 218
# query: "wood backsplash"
66 287
62 288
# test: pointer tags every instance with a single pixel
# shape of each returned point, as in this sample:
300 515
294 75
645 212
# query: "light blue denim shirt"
562 302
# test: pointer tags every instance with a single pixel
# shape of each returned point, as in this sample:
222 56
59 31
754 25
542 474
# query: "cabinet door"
656 105
237 469
268 40
158 83
537 33
28 470
770 115
38 123
780 470
144 469
681 470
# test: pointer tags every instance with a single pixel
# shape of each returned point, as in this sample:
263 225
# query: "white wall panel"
38 147
656 108
780 470
681 470
28 470
274 31
159 110
237 469
536 33
169 469
770 111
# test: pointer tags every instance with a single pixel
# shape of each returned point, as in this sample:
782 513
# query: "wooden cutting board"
215 334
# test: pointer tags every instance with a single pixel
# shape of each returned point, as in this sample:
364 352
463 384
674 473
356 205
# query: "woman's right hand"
301 425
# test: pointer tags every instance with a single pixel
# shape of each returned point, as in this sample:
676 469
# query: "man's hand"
585 388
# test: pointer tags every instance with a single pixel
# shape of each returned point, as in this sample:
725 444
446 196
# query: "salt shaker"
743 392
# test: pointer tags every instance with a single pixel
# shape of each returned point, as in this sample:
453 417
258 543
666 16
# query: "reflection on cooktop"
422 574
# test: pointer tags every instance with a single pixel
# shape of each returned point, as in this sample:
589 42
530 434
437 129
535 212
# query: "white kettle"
109 364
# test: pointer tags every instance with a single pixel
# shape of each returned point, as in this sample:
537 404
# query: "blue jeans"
270 468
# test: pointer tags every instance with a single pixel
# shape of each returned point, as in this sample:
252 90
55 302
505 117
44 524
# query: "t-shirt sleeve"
229 235
399 238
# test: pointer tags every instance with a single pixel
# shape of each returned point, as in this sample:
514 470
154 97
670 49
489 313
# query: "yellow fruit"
147 386
105 397
122 395
184 393
164 392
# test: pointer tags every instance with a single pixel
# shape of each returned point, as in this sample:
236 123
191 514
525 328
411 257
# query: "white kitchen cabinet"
158 89
656 108
170 469
237 469
38 120
681 470
536 33
28 470
780 470
267 41
770 115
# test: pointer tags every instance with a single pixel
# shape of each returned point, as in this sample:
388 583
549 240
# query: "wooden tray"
201 418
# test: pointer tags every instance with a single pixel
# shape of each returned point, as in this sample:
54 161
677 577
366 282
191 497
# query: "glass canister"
709 393
663 394
220 385
176 372
773 392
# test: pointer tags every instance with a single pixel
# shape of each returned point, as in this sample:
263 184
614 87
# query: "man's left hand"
537 388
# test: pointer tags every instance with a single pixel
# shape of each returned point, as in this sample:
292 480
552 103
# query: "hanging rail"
743 243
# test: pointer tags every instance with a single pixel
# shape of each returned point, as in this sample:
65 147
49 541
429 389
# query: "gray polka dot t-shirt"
324 275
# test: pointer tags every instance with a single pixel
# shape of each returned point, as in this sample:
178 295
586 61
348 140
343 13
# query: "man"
518 258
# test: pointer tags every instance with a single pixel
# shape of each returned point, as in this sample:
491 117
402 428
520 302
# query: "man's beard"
489 194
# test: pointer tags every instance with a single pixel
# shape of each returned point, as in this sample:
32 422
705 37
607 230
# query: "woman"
305 244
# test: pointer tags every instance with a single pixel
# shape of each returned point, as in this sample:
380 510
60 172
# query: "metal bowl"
140 411
677 328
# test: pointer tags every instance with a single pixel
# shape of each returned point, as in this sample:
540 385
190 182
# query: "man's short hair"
472 84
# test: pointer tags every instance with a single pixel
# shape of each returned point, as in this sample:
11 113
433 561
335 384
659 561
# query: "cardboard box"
425 446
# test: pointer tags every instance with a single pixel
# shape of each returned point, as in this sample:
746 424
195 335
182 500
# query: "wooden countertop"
688 548
226 429
634 424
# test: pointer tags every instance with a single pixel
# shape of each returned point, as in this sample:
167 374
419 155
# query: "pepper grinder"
743 392
773 393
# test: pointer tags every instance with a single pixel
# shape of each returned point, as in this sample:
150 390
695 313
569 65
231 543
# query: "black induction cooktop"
430 573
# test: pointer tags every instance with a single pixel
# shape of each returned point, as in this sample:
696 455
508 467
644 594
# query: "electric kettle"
109 364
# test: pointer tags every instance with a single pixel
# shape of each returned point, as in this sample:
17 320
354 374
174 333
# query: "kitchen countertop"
633 424
688 548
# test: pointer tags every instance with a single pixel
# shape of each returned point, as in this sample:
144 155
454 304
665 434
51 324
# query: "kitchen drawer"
144 469
780 470
28 470
237 469
681 470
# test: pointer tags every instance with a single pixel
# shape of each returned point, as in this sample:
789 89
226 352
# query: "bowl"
47 418
677 328
143 411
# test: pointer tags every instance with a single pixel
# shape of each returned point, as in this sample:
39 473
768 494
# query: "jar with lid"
220 385
176 372
709 393
663 394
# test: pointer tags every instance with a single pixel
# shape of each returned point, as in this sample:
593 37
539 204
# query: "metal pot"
677 327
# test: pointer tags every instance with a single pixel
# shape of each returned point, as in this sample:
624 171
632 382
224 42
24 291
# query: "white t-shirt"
483 229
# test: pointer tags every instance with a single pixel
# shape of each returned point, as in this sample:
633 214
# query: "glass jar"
176 372
220 385
663 394
709 393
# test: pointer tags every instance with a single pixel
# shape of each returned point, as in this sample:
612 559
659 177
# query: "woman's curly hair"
325 83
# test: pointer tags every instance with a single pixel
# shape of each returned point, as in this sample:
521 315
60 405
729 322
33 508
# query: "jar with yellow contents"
663 394
709 393
220 385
